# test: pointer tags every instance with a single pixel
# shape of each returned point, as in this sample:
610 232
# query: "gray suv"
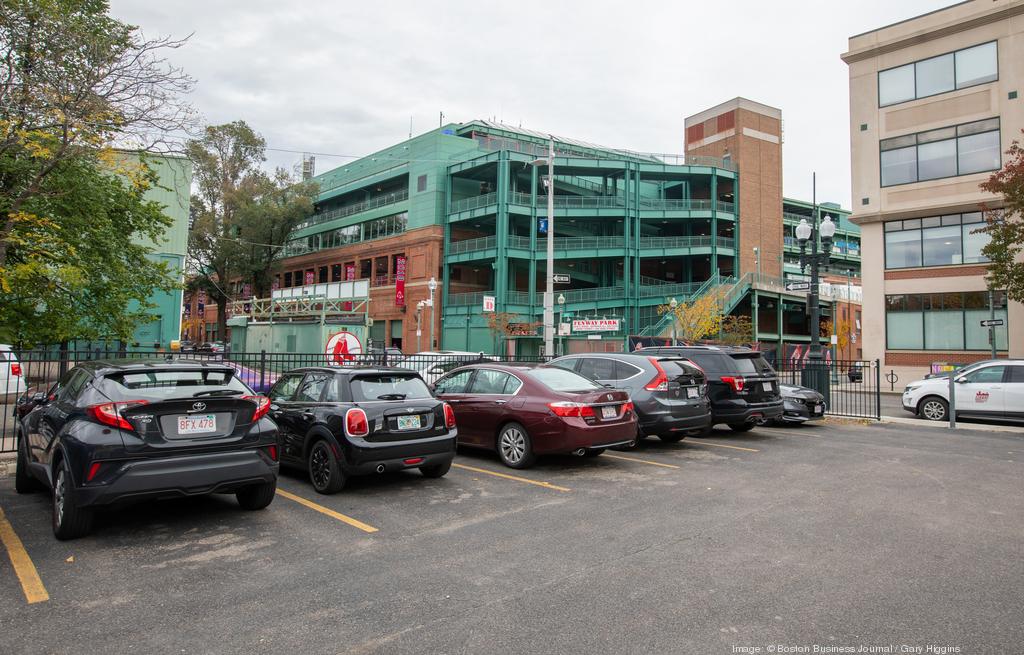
669 393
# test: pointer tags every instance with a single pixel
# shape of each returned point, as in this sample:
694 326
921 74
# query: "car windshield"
175 383
752 364
389 387
560 379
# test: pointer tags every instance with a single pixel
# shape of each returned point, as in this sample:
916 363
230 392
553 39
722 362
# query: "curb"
983 427
7 464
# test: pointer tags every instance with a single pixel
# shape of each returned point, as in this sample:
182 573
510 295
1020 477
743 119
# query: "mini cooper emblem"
198 406
410 409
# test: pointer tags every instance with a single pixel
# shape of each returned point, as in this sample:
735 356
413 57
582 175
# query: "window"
158 385
365 268
389 387
288 279
935 241
322 274
943 321
285 388
946 152
987 375
559 379
455 383
421 183
954 70
312 388
488 381
1016 375
335 272
598 368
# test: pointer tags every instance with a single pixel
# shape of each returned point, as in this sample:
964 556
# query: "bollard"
952 400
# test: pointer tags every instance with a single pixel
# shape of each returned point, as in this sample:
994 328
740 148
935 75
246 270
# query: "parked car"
991 389
125 430
800 404
522 412
433 364
12 379
338 422
187 346
210 347
669 393
742 386
856 372
389 356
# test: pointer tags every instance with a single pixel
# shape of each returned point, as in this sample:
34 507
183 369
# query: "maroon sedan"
523 412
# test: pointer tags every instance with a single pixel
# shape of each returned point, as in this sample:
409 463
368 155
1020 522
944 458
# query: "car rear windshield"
157 384
678 367
752 364
559 379
389 387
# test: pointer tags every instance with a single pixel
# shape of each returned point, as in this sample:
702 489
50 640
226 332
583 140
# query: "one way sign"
798 286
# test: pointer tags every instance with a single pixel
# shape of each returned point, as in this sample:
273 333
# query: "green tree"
242 217
1005 226
697 319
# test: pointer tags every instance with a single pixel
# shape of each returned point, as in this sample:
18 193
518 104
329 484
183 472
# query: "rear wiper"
218 392
391 396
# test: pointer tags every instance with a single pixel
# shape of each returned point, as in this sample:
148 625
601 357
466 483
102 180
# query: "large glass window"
903 249
943 321
935 241
974 242
941 74
946 152
940 246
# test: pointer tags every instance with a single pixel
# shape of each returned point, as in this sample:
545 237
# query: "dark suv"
669 393
742 386
345 421
114 431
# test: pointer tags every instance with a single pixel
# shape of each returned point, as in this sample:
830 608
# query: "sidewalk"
960 425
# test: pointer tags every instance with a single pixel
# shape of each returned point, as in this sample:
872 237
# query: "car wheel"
933 408
257 496
69 520
514 447
436 470
741 427
23 481
672 437
324 470
593 452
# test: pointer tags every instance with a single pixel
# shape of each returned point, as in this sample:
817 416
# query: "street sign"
992 322
542 225
488 303
798 286
560 278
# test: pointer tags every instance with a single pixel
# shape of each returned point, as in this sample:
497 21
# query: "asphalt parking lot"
833 535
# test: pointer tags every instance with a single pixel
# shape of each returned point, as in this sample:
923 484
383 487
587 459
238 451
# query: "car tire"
24 483
593 452
324 469
514 446
257 496
933 408
672 437
436 470
741 427
69 520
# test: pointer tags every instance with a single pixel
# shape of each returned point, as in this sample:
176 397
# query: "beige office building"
935 101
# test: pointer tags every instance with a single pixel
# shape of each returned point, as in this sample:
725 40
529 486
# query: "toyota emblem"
198 406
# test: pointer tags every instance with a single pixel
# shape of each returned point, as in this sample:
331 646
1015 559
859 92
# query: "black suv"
742 385
339 422
114 431
669 393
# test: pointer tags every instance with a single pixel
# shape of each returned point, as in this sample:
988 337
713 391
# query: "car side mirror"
40 398
962 380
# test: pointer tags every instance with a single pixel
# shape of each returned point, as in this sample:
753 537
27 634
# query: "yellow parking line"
326 510
722 445
546 485
642 461
33 587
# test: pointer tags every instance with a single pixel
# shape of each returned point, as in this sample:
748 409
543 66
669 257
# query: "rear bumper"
566 436
667 423
187 475
366 457
732 411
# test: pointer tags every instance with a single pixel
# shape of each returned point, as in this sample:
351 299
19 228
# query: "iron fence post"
878 389
263 368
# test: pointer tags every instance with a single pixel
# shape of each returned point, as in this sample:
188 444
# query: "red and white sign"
981 397
399 280
595 325
342 348
350 274
310 277
488 303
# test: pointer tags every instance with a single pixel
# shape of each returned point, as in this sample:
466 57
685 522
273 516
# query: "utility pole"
432 285
992 328
549 289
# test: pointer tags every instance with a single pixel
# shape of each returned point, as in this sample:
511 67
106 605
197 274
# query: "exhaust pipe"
380 468
579 452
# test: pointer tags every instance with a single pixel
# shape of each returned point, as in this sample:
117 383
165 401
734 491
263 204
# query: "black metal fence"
851 387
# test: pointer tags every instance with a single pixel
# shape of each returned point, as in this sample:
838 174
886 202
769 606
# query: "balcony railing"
472 245
473 203
348 210
681 290
589 243
686 242
594 202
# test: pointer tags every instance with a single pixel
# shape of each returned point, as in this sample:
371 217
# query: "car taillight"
660 381
110 413
356 424
449 416
627 407
16 369
94 468
734 382
272 451
262 406
567 409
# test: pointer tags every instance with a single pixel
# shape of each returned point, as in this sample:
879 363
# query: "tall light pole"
757 262
561 317
432 285
672 304
549 288
815 376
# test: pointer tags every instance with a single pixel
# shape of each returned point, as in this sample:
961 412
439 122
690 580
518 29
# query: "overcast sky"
346 77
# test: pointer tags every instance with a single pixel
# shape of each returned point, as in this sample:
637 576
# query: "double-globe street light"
815 376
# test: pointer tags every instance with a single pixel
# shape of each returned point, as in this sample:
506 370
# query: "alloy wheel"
320 467
513 445
58 495
933 410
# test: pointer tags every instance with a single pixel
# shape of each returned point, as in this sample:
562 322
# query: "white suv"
990 389
12 382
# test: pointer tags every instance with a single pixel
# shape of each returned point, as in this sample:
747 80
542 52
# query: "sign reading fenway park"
595 325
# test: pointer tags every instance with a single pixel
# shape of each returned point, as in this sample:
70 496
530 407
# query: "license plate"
819 409
609 412
409 422
691 392
767 386
197 424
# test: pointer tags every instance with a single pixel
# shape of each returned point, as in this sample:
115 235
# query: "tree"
506 324
1005 226
241 216
737 330
698 319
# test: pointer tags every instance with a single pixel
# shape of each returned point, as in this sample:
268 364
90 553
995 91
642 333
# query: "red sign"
310 277
342 348
400 280
350 274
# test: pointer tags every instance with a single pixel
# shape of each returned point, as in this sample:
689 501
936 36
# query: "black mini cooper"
336 422
109 432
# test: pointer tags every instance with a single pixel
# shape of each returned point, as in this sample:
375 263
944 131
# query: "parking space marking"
722 445
539 483
355 523
642 461
33 587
